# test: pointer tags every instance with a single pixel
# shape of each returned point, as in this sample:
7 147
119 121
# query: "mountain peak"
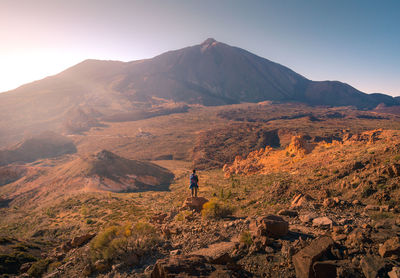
208 42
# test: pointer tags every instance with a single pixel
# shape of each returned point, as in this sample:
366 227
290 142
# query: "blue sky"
356 42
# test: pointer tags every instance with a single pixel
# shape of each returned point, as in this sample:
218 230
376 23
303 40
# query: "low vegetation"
246 238
118 242
216 209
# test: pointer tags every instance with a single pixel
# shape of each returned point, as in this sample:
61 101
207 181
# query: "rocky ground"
309 210
309 238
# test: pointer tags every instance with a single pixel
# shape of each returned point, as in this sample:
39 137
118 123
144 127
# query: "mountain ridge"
211 73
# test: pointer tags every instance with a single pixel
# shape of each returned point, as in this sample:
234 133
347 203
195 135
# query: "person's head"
194 171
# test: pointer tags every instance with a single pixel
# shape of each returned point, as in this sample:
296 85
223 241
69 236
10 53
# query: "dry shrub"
185 214
39 268
246 238
216 209
115 243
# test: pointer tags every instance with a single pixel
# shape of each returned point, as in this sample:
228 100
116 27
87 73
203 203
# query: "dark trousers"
194 191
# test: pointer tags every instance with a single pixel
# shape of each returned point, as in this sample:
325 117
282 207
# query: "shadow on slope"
45 145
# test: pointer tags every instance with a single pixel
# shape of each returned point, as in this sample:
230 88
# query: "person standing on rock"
194 183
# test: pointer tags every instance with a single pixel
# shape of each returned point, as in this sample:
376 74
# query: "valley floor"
326 201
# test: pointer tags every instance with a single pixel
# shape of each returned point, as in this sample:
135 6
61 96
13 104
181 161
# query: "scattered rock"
117 267
269 250
338 229
305 218
357 165
338 237
101 266
76 242
131 259
192 265
300 201
356 238
395 272
390 247
287 249
218 253
81 240
288 212
326 269
323 222
166 231
87 270
195 203
329 203
371 207
175 252
25 267
384 208
303 260
372 266
149 269
159 218
270 225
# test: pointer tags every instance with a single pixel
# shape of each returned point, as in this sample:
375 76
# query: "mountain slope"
44 145
211 73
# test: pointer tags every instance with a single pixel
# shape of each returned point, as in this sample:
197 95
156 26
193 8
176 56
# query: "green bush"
215 209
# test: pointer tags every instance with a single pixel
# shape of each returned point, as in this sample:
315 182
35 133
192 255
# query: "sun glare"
23 67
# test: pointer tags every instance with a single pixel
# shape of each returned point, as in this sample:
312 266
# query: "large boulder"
194 203
372 266
390 247
270 225
218 253
326 269
304 260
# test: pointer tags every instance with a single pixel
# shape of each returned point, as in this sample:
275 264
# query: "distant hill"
44 145
96 172
211 73
107 171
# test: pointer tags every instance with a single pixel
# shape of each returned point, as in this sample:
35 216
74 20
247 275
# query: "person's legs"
193 188
195 191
